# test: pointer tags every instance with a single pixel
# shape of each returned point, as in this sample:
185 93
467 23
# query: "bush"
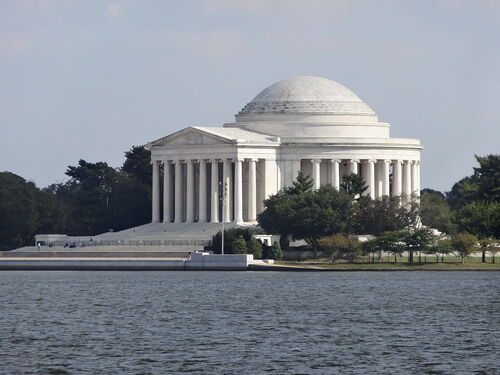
239 246
275 252
255 248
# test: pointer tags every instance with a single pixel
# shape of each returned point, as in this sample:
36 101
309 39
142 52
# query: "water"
249 323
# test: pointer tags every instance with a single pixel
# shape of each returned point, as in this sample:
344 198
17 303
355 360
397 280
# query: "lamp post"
224 202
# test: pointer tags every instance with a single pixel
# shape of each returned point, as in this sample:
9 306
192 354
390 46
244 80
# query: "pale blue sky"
89 79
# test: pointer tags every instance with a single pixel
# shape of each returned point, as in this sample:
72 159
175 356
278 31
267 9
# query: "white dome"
307 95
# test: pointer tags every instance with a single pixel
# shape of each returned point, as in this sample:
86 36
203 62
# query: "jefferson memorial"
309 124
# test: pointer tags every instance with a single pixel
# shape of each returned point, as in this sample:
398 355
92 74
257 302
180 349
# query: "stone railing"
166 243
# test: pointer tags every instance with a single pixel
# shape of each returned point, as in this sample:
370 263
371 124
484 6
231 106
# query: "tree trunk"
395 258
410 257
492 259
442 258
419 257
463 260
484 257
437 258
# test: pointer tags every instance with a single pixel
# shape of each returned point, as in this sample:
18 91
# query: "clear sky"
88 79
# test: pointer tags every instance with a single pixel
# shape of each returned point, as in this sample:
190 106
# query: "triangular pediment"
191 137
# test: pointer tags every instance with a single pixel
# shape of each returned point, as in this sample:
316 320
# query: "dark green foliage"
418 240
308 215
435 211
275 252
440 247
483 185
26 210
353 184
230 235
138 164
255 248
376 216
239 246
301 185
480 218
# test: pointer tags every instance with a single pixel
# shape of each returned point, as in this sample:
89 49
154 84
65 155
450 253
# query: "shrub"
239 246
275 252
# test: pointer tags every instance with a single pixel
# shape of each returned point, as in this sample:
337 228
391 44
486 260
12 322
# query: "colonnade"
215 190
204 190
376 174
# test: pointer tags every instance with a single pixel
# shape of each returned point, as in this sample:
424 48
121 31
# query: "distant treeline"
96 198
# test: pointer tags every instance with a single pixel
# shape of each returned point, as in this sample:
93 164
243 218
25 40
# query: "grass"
449 264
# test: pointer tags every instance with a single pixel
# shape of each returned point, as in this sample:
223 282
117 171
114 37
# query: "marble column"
353 166
202 206
407 178
167 192
371 178
414 187
178 192
214 211
156 192
316 174
252 190
335 173
418 178
385 177
190 200
226 189
238 191
397 179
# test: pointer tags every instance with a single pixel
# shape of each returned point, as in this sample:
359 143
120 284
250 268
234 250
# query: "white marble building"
308 124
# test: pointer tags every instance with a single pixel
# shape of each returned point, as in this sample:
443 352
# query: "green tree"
483 185
464 244
392 242
230 235
494 249
138 164
353 184
480 218
440 247
255 248
302 184
435 211
418 239
342 245
307 215
275 252
376 216
239 246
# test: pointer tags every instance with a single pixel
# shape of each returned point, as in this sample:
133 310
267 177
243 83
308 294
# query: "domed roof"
306 95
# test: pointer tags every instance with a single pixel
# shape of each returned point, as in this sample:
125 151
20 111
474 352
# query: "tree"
494 249
353 184
307 215
239 246
376 216
464 244
25 211
371 247
302 184
275 252
485 244
483 185
418 239
435 211
138 164
340 244
480 218
230 235
255 248
392 242
441 247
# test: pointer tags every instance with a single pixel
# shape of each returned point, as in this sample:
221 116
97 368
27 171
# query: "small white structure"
308 124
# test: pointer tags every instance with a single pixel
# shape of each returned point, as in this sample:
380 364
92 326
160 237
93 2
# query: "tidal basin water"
54 322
